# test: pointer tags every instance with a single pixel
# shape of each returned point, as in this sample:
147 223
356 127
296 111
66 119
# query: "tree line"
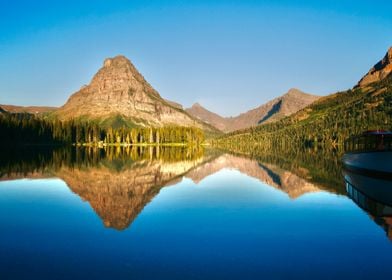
28 129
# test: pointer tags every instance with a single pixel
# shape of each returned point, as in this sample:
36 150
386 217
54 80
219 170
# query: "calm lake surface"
181 213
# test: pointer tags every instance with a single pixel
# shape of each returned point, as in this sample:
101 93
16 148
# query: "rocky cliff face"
285 105
379 71
118 89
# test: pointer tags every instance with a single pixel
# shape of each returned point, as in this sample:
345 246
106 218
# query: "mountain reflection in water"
119 182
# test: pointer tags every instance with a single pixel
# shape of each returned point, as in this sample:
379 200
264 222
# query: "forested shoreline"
22 129
325 124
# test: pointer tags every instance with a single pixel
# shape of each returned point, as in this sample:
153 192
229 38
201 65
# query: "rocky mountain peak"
116 61
118 89
118 74
379 71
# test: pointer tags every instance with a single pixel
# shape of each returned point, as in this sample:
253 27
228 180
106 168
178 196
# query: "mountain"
379 71
119 95
276 109
325 123
36 110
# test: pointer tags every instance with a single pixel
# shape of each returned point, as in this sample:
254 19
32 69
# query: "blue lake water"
214 220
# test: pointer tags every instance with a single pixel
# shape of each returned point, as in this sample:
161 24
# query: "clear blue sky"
230 56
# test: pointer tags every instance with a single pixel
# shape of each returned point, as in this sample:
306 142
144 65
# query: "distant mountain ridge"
36 110
207 116
276 109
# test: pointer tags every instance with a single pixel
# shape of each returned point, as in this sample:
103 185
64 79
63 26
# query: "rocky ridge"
207 116
291 102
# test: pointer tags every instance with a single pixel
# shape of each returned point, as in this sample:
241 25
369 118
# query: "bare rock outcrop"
379 71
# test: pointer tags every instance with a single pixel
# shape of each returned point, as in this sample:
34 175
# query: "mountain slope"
276 109
209 117
119 95
325 123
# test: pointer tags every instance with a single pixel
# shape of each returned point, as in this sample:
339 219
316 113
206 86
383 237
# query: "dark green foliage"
16 129
27 129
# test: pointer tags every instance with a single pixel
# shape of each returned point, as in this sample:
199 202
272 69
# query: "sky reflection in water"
227 226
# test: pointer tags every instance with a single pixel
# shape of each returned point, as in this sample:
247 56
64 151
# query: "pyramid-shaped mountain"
119 95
